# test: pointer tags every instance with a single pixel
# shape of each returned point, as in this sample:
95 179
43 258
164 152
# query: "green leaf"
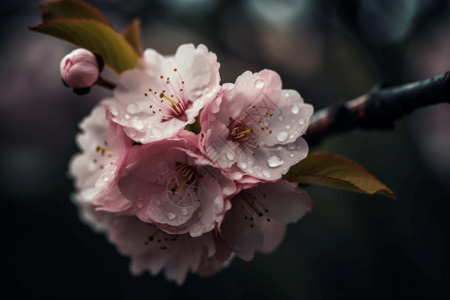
336 171
133 35
94 36
70 9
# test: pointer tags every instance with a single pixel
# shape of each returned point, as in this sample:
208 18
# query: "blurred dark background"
350 246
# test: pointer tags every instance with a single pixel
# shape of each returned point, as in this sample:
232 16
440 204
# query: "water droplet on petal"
274 161
282 136
105 179
259 84
170 215
301 121
218 205
288 127
291 155
295 109
184 212
137 123
291 146
286 95
292 136
132 134
267 174
243 165
113 110
230 156
127 116
132 108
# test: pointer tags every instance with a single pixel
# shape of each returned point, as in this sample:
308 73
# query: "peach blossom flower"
253 128
172 186
258 217
161 95
95 169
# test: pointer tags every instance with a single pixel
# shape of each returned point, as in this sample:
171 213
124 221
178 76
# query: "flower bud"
79 69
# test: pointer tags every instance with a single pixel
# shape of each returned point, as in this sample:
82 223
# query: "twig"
379 108
105 83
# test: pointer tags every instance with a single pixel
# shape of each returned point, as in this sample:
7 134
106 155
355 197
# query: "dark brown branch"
105 83
379 108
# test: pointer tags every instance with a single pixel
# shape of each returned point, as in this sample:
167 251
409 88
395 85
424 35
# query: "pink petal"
257 218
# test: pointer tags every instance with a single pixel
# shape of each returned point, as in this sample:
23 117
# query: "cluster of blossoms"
182 201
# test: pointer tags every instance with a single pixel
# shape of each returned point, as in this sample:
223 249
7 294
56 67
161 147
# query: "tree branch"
379 108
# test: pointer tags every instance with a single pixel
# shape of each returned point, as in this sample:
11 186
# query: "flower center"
182 185
160 239
247 130
168 102
106 155
251 207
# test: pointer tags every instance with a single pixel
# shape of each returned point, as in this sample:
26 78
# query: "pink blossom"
161 95
95 169
172 186
253 127
258 217
79 68
153 250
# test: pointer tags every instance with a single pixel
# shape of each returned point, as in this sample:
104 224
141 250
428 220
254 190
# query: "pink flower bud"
79 69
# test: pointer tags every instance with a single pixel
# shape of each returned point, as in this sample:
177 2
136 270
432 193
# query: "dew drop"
113 110
170 215
295 109
291 146
243 165
137 123
274 161
218 205
288 127
127 116
267 174
259 84
184 212
282 136
292 136
291 155
105 179
301 121
132 108
230 156
286 95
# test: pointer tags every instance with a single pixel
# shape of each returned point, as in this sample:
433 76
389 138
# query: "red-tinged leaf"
133 35
336 171
75 9
94 36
